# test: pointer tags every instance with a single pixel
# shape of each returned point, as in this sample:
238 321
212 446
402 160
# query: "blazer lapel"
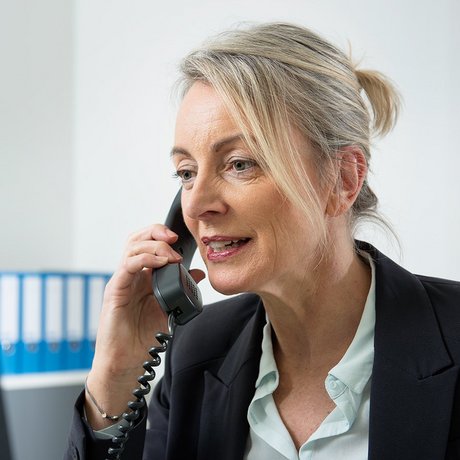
413 378
228 393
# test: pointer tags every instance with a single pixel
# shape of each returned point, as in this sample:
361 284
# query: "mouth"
220 247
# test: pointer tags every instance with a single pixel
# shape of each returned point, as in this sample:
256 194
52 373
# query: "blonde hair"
277 76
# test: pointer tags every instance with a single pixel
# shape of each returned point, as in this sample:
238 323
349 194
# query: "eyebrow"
215 147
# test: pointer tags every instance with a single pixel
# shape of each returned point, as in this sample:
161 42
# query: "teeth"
219 245
223 245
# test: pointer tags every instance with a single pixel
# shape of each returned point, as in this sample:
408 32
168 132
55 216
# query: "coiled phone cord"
114 453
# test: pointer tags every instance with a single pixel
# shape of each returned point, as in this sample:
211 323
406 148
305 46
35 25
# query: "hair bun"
383 97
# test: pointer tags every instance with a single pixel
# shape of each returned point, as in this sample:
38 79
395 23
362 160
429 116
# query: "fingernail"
170 232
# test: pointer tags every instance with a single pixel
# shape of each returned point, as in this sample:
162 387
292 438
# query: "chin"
227 290
226 286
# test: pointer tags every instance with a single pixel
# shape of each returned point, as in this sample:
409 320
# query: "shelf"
43 380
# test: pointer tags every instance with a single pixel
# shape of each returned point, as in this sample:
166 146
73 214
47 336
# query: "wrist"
104 415
106 399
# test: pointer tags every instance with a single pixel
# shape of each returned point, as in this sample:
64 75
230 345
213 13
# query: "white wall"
36 124
119 68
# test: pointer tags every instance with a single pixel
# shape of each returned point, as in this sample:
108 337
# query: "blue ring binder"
48 320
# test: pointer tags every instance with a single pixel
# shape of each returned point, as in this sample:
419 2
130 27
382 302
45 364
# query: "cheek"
191 225
193 229
293 236
280 249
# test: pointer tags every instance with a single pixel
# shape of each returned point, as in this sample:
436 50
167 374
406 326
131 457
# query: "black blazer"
198 410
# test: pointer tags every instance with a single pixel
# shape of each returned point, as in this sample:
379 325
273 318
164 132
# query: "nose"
204 200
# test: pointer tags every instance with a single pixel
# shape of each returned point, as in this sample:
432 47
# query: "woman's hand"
129 319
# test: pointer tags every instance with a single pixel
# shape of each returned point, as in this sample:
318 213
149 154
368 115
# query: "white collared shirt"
344 432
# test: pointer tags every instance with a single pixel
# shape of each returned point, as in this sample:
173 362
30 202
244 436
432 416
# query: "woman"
334 351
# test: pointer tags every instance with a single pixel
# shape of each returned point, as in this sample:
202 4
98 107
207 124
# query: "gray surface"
4 441
38 421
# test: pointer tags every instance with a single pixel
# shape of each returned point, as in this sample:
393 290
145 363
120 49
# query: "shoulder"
440 284
444 296
400 290
213 332
397 279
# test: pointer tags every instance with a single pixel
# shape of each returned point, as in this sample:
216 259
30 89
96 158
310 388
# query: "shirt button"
333 385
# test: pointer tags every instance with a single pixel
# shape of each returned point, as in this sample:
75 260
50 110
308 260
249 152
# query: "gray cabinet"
38 410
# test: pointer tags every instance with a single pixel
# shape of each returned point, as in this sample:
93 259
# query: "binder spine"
31 323
53 323
74 321
9 323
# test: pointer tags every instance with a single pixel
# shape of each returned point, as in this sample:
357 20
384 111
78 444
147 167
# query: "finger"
137 263
124 276
154 232
159 248
197 274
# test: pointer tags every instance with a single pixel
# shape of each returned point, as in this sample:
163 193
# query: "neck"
313 326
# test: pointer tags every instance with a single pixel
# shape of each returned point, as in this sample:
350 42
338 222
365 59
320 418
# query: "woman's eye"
242 165
185 175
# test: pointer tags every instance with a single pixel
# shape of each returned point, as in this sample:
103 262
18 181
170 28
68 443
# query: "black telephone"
173 287
179 296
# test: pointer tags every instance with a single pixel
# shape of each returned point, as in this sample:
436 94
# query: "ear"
351 172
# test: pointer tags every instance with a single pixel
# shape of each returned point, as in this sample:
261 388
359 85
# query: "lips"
219 247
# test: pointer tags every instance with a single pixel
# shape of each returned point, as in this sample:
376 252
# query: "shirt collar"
267 360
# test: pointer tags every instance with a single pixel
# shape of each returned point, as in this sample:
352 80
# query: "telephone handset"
179 296
173 287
